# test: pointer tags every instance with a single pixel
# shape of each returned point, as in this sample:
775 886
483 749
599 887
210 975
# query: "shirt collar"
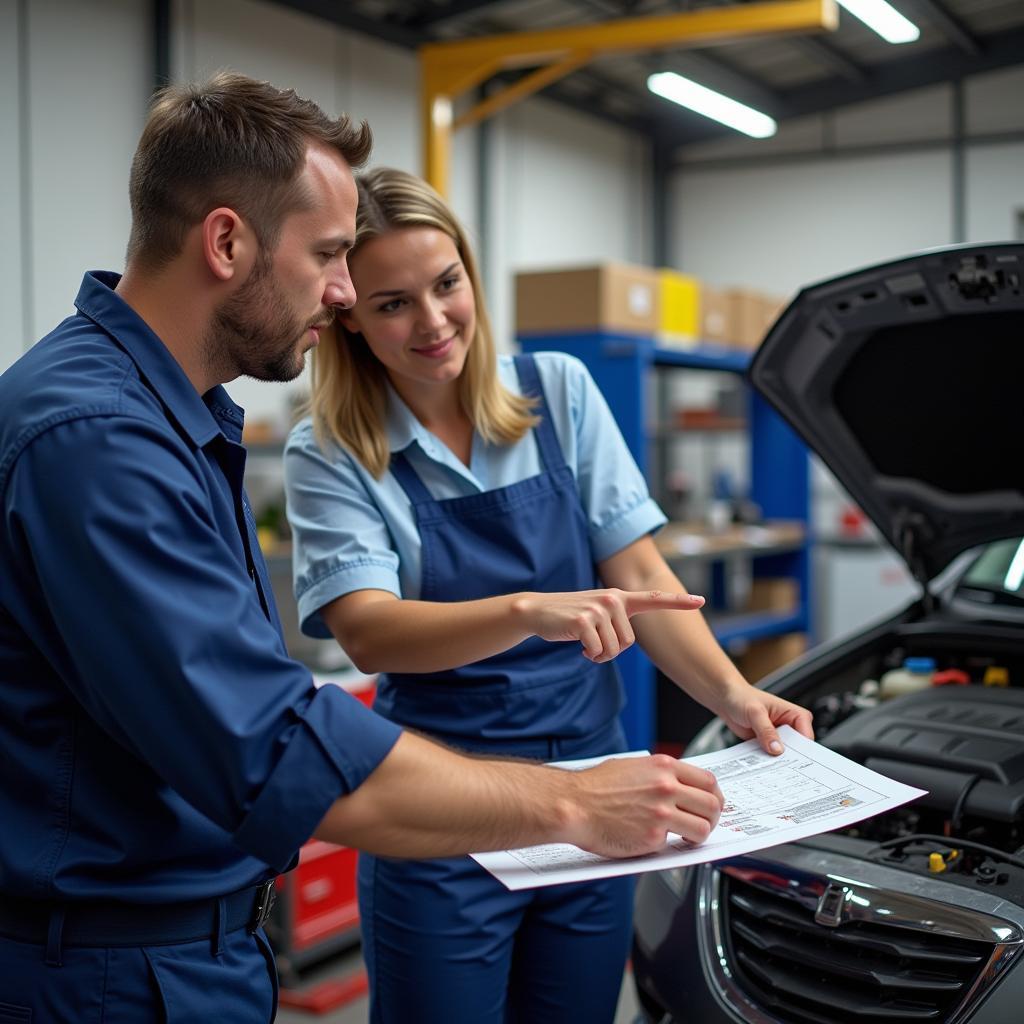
402 426
202 417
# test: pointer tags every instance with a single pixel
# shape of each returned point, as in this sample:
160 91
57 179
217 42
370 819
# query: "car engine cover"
965 746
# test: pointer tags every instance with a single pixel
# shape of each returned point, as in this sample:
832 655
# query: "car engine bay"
962 742
911 915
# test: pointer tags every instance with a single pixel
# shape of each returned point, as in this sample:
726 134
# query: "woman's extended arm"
685 649
382 633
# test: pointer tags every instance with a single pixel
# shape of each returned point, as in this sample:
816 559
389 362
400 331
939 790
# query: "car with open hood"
907 379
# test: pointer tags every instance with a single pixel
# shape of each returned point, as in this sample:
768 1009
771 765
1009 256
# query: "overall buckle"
266 894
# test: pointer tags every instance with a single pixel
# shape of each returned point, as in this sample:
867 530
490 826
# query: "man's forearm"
424 800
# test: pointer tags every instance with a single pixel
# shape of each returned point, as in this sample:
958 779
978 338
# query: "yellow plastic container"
679 315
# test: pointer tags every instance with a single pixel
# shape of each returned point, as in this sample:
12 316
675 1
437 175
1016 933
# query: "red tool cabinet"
316 913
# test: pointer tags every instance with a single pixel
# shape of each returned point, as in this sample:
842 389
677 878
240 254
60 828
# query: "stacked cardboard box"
612 296
676 309
737 317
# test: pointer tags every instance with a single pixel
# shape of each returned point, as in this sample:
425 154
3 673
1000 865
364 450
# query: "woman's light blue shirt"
353 532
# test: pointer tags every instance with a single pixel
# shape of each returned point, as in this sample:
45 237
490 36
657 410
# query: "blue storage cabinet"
622 365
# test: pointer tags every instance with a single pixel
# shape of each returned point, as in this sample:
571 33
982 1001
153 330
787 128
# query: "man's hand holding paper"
630 804
768 800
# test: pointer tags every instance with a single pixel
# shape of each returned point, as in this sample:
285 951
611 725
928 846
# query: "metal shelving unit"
622 365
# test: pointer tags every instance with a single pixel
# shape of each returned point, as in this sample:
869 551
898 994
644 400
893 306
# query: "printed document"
769 800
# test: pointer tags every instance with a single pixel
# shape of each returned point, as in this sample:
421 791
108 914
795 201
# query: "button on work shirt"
353 532
156 741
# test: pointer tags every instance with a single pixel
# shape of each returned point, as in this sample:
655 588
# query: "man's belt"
109 923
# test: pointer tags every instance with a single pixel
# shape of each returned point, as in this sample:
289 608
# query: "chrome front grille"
806 972
788 946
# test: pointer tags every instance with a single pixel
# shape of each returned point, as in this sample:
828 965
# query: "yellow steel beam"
532 83
437 127
447 70
519 49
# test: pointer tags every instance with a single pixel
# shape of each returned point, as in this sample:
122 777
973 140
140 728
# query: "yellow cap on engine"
996 675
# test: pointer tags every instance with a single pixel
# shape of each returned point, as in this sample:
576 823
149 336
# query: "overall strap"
547 440
409 480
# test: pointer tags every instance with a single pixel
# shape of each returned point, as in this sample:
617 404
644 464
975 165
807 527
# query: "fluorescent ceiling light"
712 104
884 19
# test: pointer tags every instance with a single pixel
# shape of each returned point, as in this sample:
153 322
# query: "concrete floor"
347 963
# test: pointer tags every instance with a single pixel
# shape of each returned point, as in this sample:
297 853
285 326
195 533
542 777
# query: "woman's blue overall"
444 942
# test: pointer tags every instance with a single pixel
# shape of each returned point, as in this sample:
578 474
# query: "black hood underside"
907 379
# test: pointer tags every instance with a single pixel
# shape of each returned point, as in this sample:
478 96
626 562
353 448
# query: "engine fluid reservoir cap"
996 675
951 677
919 664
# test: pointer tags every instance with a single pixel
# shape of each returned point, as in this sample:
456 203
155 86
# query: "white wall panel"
780 226
909 117
799 135
264 41
497 257
383 87
571 190
993 101
574 191
464 184
13 338
89 76
995 192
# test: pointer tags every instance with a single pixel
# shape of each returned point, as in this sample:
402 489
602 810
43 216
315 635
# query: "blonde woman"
474 529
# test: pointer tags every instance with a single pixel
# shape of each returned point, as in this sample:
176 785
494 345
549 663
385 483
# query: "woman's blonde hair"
348 402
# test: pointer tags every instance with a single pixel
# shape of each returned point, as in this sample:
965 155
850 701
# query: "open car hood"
907 379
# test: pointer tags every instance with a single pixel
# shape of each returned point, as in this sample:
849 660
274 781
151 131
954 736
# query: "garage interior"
541 122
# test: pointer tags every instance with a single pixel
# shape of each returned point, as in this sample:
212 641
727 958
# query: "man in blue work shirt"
161 756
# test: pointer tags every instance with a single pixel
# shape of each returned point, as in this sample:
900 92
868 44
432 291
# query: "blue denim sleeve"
304 782
159 635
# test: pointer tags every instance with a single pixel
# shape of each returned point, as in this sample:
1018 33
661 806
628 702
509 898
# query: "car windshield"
997 576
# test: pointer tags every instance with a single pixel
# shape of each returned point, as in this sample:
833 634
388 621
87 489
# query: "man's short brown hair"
231 141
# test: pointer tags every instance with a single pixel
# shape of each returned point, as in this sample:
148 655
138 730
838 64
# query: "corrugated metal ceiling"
785 76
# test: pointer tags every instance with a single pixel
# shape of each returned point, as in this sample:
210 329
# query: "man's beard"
258 333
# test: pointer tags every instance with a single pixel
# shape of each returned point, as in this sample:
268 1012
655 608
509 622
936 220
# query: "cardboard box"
679 323
715 316
774 305
747 310
737 317
763 657
613 296
771 594
759 312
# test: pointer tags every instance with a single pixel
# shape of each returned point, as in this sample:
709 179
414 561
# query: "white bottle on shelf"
915 674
